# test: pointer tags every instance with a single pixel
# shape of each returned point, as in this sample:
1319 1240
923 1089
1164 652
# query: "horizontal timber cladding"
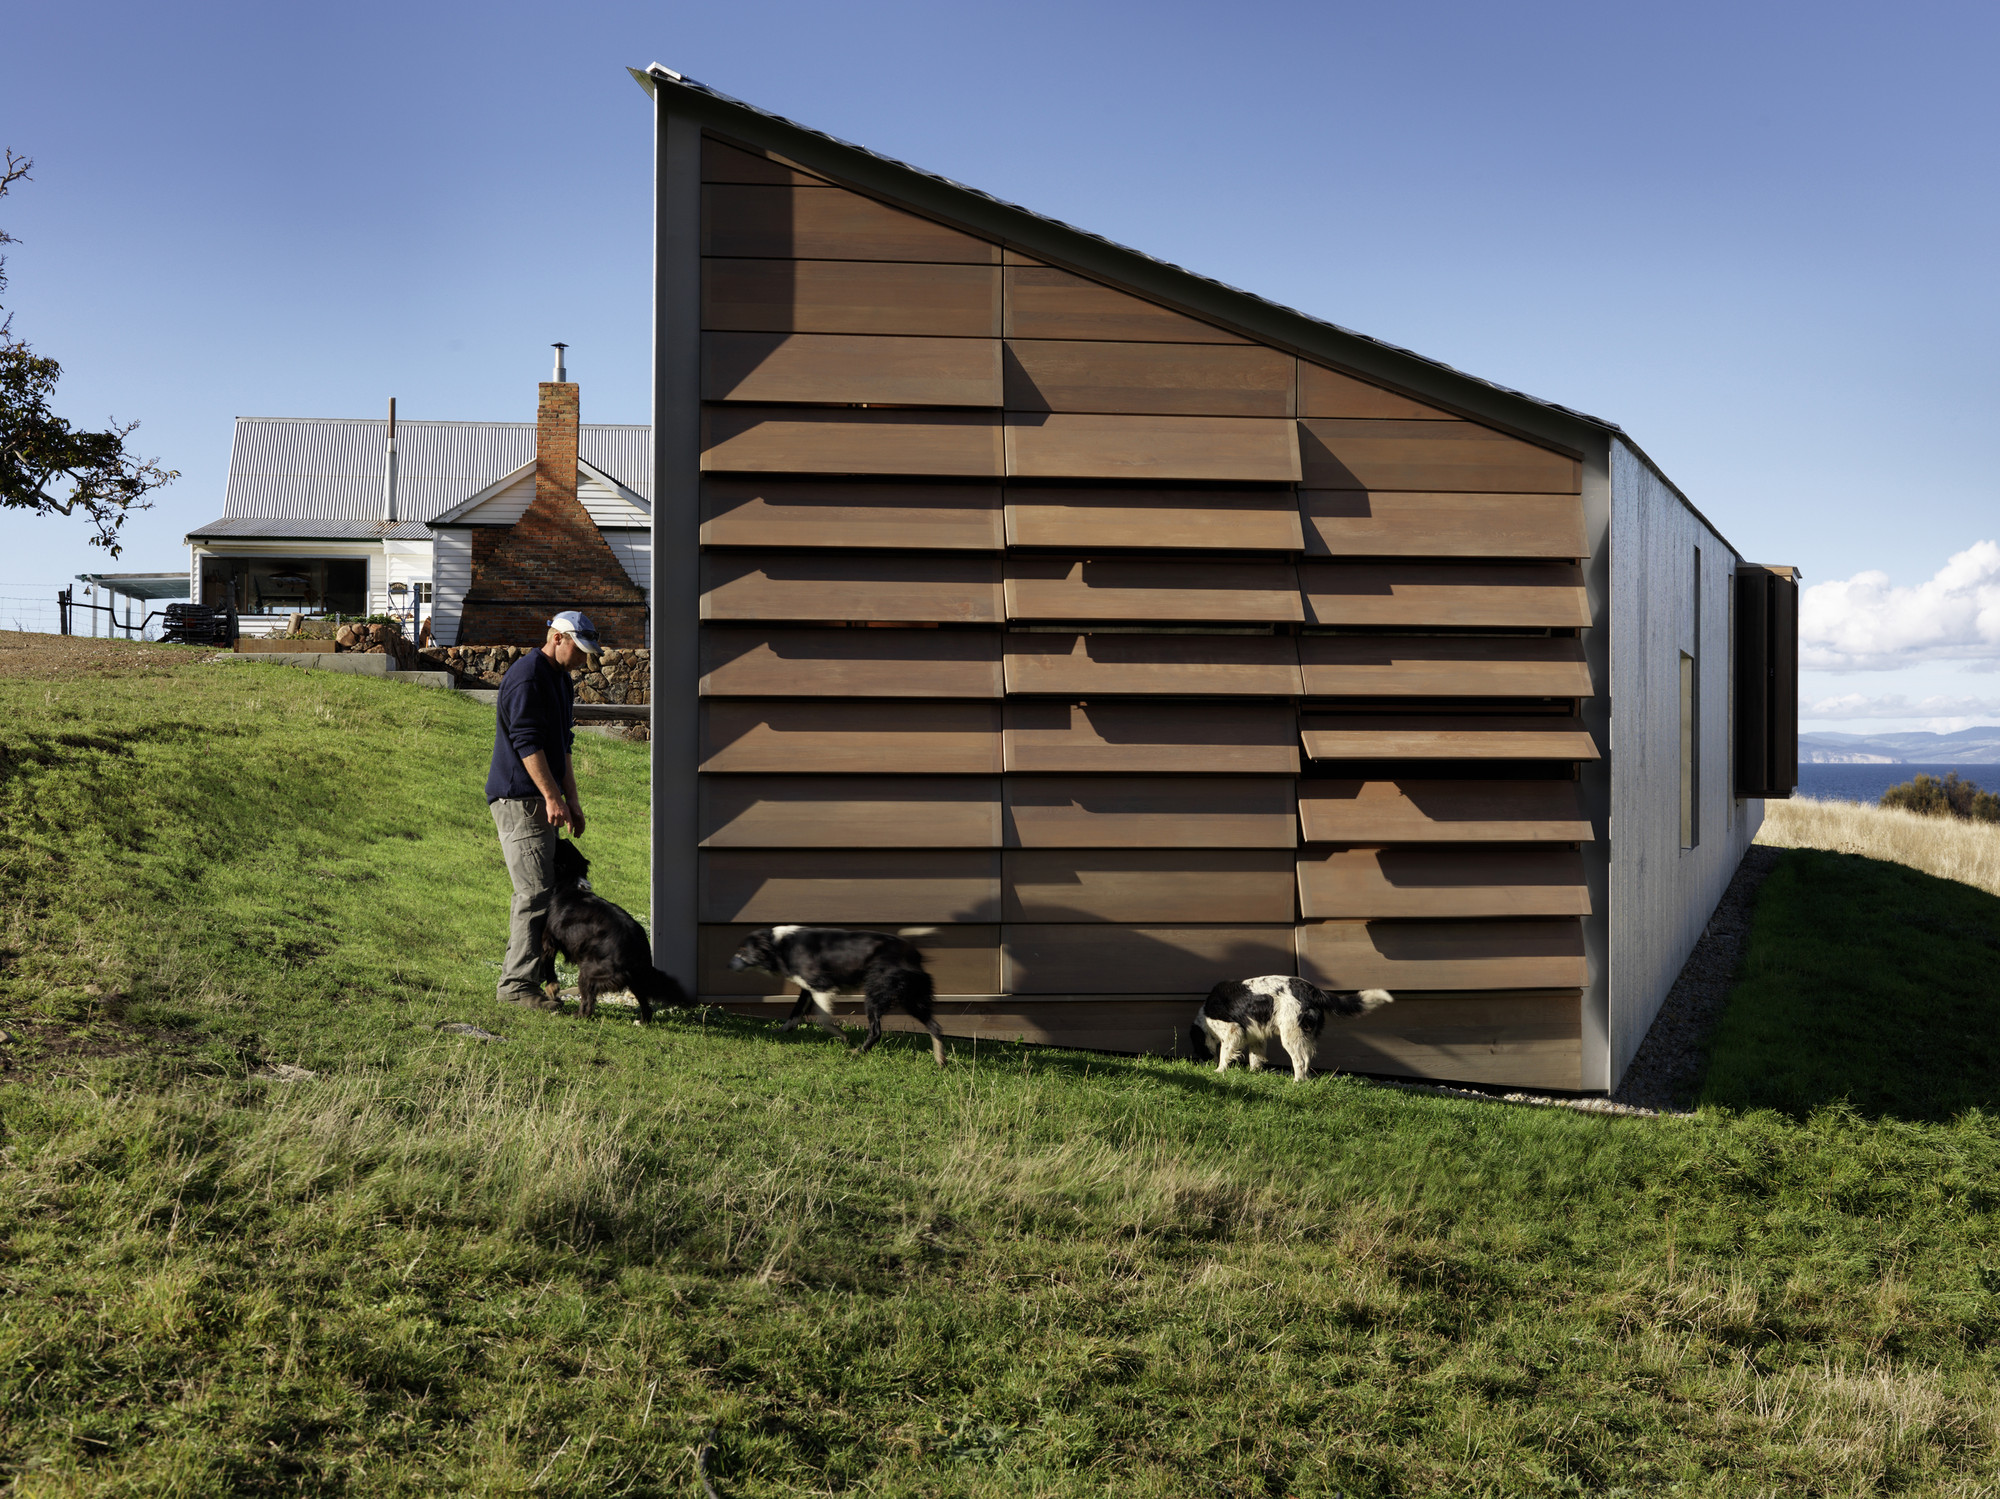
1528 1039
1324 392
1148 885
752 662
1150 590
1366 736
1392 523
843 368
801 440
961 959
1442 666
849 811
846 513
722 162
1523 954
1081 958
1151 736
851 296
1419 881
805 736
1148 378
1217 520
1042 302
1150 812
1148 1023
850 887
824 585
1224 449
1420 811
817 223
1544 595
1161 665
1338 453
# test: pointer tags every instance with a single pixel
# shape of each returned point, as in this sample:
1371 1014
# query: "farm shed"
1110 632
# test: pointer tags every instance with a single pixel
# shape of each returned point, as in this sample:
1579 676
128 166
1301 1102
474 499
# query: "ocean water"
1866 783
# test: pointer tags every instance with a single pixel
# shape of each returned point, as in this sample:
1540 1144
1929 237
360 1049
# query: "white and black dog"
1247 1015
826 960
608 947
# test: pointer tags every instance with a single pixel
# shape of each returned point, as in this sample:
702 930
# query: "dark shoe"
530 999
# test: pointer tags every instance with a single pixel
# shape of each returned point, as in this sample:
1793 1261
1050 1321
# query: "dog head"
571 866
758 950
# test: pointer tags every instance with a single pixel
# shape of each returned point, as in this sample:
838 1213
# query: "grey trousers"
529 845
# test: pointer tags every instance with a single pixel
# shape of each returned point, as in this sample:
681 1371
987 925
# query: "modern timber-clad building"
1112 632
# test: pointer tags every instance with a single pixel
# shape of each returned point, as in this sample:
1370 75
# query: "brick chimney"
556 426
553 557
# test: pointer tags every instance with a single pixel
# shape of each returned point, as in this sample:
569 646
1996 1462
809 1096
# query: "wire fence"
38 616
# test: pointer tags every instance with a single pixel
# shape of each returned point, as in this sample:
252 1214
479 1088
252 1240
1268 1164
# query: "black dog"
823 960
608 947
1244 1016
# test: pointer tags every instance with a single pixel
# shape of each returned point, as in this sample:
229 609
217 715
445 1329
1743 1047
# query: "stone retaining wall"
615 677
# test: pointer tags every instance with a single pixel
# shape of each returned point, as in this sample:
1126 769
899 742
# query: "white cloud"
1965 712
1863 623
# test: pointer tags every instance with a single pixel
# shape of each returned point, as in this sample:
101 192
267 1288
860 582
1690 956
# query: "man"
531 790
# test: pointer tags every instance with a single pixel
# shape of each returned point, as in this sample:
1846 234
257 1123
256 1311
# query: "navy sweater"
534 713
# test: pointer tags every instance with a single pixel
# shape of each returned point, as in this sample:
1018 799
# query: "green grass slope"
551 1263
1866 982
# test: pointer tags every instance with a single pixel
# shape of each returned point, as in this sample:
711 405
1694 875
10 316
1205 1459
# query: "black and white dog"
608 947
826 960
1247 1015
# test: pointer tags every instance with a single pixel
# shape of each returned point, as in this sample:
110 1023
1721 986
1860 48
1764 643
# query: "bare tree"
46 465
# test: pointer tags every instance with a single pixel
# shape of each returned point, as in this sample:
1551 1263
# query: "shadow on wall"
1866 984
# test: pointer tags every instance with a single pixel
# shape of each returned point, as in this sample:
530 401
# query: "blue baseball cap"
576 624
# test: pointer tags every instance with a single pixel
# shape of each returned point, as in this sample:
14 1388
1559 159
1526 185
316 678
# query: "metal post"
676 535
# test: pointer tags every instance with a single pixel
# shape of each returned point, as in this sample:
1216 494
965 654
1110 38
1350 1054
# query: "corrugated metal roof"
657 74
306 528
325 469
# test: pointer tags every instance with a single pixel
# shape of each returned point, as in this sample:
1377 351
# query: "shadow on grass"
1864 982
1194 1077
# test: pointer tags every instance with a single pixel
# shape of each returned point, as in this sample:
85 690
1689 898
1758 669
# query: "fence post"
62 609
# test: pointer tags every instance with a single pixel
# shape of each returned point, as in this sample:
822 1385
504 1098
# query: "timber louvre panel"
1549 595
751 662
1152 665
1390 954
1211 520
1124 735
841 887
850 513
1150 591
781 587
1364 523
850 296
1095 824
1418 881
808 735
1442 666
1413 810
849 368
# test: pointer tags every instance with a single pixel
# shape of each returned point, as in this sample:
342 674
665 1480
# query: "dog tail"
910 989
1362 1001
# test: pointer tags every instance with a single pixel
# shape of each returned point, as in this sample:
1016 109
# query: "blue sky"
1758 236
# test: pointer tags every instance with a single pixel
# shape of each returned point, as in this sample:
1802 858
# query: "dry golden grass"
1968 852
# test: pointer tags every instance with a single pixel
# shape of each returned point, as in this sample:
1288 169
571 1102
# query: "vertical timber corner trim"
675 617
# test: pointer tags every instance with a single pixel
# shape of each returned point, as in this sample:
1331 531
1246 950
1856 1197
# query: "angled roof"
307 528
466 512
1092 254
322 470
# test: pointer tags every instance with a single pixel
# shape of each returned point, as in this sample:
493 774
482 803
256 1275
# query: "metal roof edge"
1680 494
1092 254
429 421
